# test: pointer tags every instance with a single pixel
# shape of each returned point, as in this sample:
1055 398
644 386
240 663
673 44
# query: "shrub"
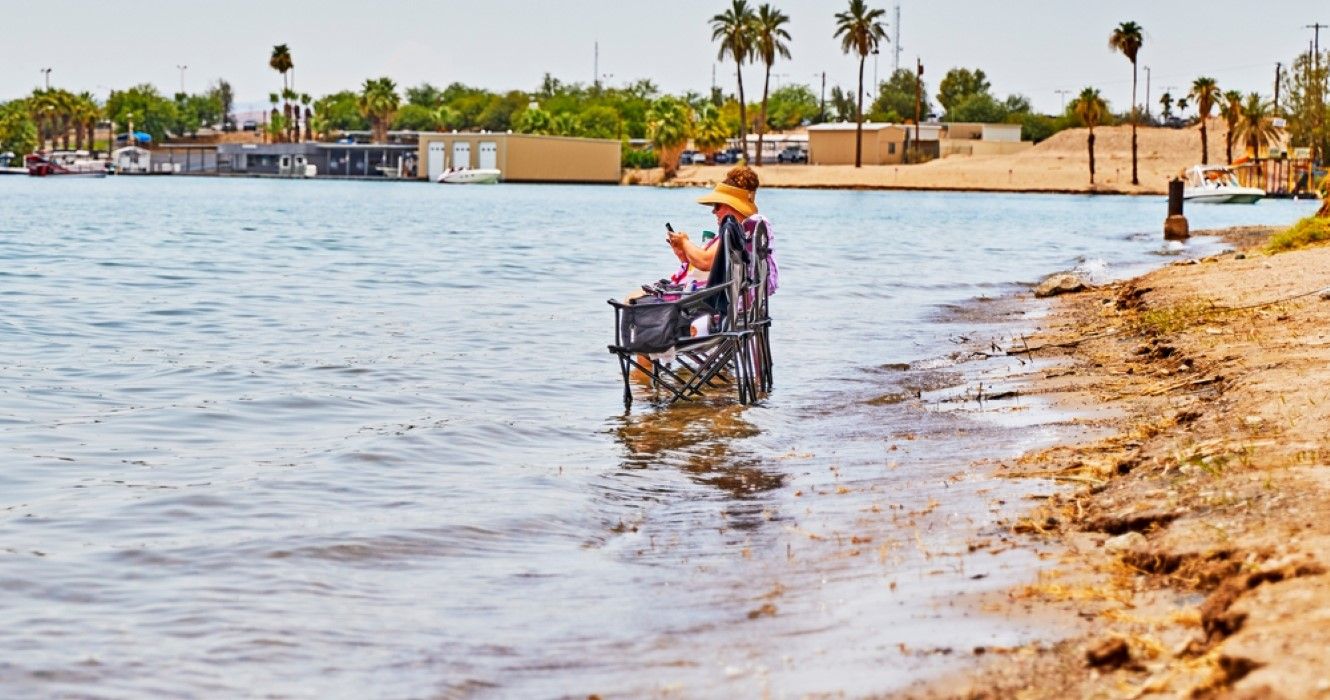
1312 229
633 158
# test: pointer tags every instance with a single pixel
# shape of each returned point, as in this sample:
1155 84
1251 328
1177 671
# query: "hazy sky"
1025 46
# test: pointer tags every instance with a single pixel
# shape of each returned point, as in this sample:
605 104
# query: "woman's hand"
678 242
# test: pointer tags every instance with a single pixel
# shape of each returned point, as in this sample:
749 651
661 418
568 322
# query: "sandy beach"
1195 524
1058 164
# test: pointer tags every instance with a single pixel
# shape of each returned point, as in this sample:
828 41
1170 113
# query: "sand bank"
1058 164
1198 530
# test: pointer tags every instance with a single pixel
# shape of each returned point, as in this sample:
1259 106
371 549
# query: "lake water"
348 439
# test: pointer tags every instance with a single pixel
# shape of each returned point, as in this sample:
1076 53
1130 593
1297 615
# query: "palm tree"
305 99
280 61
860 32
86 114
769 37
1166 102
733 28
1127 40
1091 109
289 111
1206 93
710 134
272 97
1231 109
669 125
1256 127
379 102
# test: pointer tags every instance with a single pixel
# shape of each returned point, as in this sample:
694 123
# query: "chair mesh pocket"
650 326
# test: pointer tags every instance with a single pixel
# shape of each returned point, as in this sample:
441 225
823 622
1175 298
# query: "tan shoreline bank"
1059 164
1198 534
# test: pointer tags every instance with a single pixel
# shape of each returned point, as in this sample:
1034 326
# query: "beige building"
883 144
521 157
977 139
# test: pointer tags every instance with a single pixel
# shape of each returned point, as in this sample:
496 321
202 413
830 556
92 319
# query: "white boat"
468 176
1217 184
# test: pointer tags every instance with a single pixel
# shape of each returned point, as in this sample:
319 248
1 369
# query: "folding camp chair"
703 340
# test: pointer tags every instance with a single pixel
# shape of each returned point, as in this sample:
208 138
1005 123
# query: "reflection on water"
706 442
316 439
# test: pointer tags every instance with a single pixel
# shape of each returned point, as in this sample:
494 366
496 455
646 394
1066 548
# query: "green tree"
860 31
1091 109
1231 110
415 117
499 110
895 98
770 40
144 107
959 84
18 132
1166 106
222 93
280 61
733 28
710 133
340 111
1127 39
1206 93
601 122
566 124
1256 126
533 121
669 126
977 107
842 104
425 95
305 100
378 103
1304 86
791 106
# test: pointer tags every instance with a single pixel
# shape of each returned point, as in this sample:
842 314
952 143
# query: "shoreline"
1194 527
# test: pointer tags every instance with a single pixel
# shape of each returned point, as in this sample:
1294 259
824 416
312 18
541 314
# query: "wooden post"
1175 226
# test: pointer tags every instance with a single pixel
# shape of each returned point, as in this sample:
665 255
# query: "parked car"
792 154
250 125
736 154
688 157
722 157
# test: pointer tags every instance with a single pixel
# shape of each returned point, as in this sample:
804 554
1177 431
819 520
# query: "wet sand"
1195 523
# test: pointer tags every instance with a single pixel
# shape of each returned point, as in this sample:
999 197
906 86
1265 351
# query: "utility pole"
877 87
1147 93
47 71
1278 68
182 77
918 99
822 110
1063 93
595 69
1316 28
896 64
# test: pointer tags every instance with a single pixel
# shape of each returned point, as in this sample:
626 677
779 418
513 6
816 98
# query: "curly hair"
743 177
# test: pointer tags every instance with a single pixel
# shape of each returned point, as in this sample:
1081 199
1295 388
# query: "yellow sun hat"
737 197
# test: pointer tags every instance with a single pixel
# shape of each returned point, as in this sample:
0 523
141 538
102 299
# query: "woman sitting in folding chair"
722 288
736 197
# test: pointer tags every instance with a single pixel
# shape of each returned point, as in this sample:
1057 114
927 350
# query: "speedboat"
65 163
467 176
6 169
1218 184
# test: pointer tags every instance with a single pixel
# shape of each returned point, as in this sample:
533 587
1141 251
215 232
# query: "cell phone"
668 227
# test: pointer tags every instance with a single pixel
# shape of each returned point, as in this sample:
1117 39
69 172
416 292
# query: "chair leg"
625 368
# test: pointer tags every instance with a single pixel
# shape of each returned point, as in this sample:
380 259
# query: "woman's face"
723 210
